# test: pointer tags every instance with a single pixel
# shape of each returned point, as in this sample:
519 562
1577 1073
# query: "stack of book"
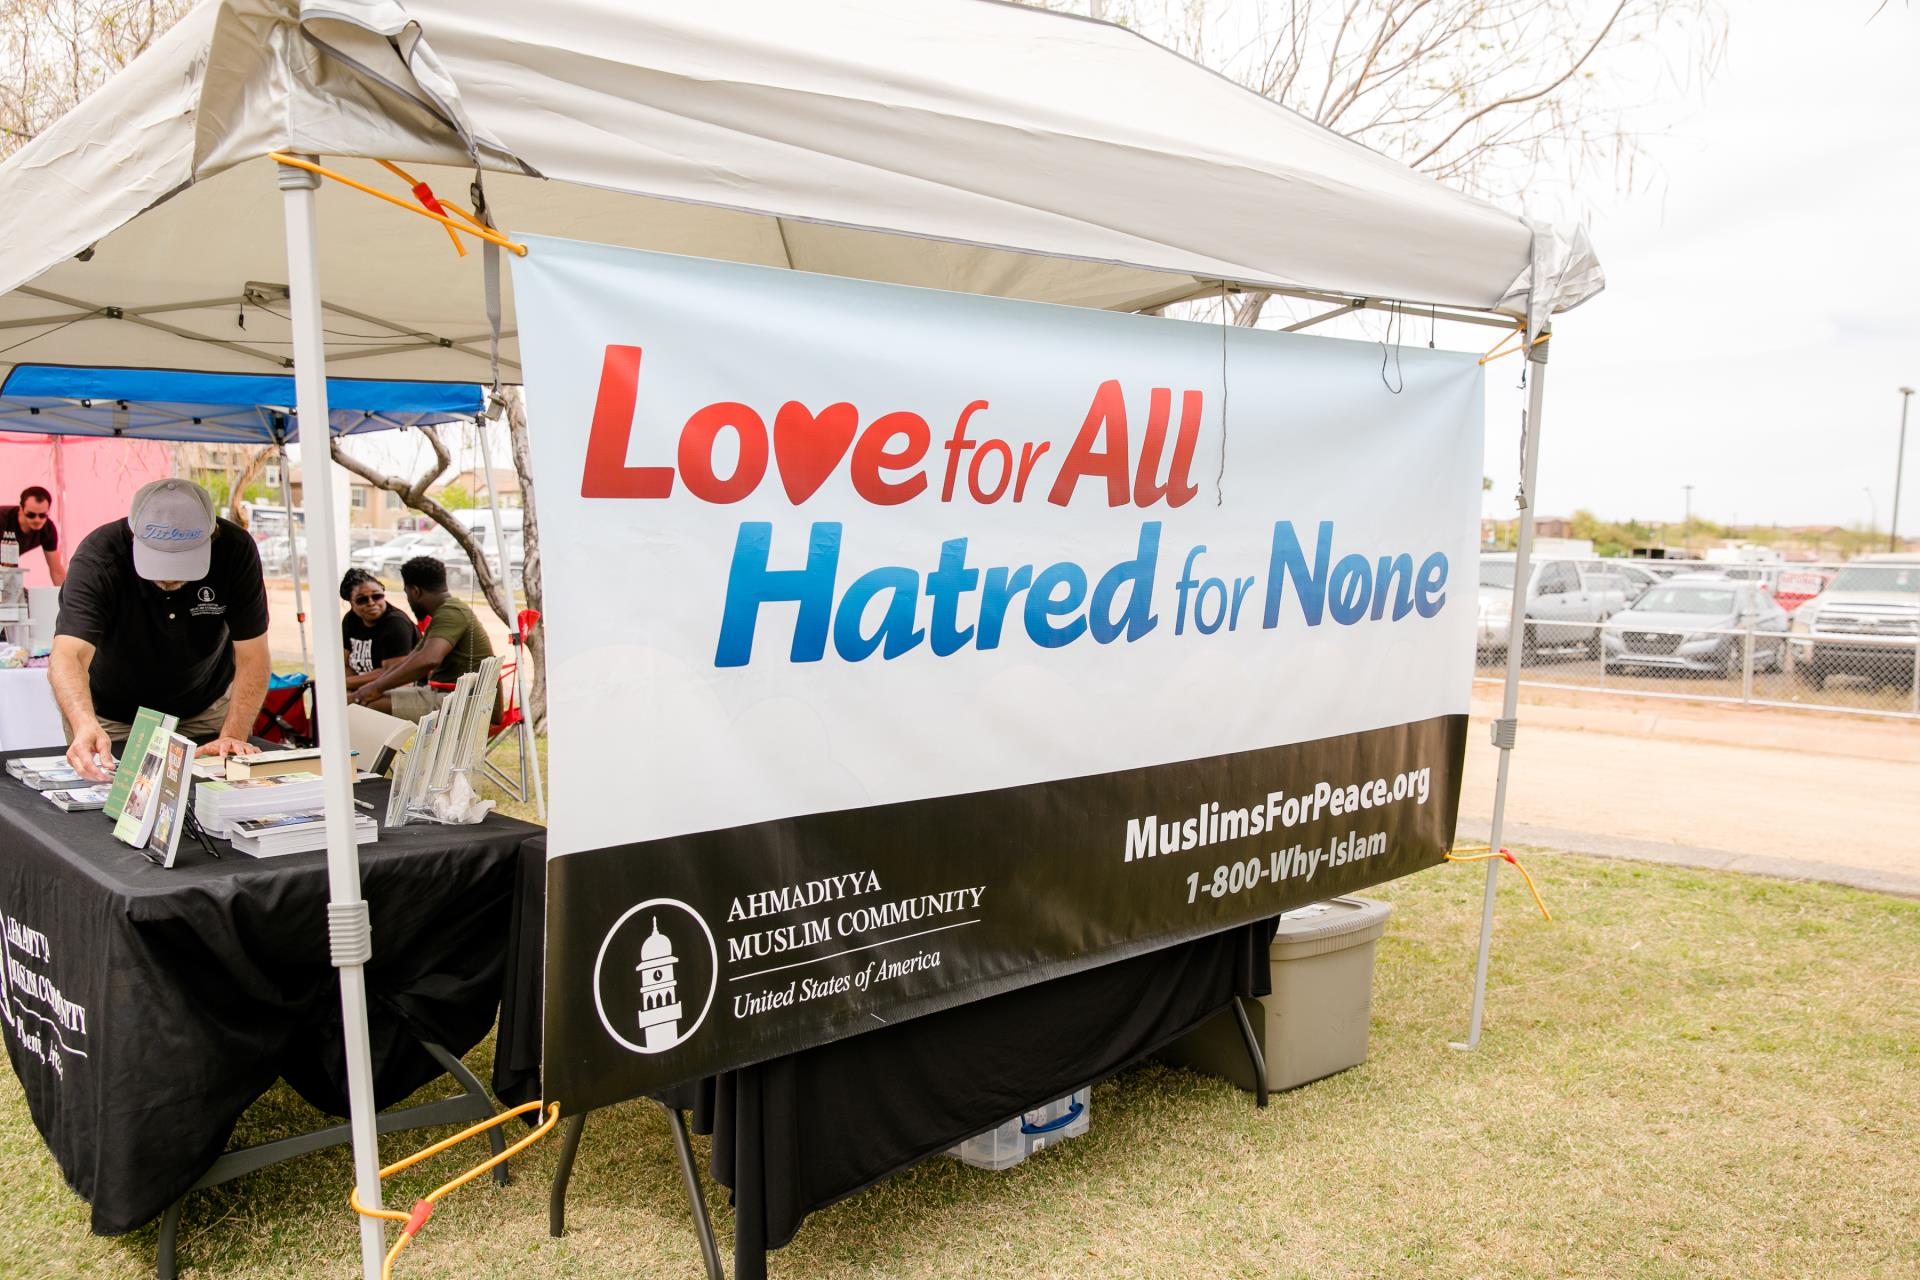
272 834
45 773
219 805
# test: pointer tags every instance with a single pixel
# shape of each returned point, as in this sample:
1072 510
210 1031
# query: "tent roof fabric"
141 404
956 144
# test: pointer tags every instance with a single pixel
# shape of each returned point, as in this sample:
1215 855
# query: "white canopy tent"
957 144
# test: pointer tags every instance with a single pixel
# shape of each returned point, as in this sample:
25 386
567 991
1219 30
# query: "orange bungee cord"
1483 853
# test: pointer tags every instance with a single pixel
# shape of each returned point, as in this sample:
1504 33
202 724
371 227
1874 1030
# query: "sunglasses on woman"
371 597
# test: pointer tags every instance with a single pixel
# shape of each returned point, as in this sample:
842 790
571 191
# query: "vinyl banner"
907 647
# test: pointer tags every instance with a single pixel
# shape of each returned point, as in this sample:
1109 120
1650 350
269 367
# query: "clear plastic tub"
1006 1145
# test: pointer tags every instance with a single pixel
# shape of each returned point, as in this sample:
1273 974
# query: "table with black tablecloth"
146 1007
800 1132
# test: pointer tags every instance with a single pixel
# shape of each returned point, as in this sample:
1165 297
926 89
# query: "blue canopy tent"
229 408
222 408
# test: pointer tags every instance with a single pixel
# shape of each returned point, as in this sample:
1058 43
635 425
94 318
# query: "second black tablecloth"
800 1132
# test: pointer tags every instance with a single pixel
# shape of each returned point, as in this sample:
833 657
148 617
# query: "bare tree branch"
1516 99
414 493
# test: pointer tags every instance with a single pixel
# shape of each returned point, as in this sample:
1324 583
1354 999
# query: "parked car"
1640 580
440 544
273 555
1698 622
1564 607
384 559
1866 623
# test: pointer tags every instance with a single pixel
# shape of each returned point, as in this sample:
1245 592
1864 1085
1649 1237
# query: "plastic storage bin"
1006 1145
1315 1022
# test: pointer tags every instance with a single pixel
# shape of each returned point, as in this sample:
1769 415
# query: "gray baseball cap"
172 523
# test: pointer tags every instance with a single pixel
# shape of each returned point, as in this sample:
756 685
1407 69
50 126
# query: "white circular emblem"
646 1003
206 595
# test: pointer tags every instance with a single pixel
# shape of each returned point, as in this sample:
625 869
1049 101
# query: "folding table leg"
496 1142
164 1265
562 1173
1253 1053
690 1174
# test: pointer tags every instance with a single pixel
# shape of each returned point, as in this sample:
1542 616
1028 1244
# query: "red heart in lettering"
809 445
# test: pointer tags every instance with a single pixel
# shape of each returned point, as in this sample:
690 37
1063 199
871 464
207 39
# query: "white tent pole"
1504 727
528 754
293 543
348 932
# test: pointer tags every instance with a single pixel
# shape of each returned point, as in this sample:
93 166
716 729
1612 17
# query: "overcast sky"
1761 307
1760 312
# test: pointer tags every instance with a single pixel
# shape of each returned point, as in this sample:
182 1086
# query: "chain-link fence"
1842 637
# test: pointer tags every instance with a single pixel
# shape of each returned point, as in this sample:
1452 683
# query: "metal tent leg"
1254 1055
570 1133
690 1175
1504 728
347 926
293 542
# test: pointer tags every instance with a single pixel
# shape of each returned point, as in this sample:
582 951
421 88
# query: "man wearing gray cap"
165 609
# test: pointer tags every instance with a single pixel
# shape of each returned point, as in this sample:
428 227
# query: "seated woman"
375 634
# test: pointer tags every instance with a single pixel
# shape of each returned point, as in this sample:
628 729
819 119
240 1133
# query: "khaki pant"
414 701
202 727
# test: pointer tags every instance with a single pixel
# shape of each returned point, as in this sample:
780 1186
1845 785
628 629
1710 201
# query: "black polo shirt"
45 537
169 650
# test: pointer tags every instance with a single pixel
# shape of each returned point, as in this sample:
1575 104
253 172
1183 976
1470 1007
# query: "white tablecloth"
28 717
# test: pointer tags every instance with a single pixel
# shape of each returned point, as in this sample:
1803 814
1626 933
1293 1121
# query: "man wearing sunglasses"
374 633
31 524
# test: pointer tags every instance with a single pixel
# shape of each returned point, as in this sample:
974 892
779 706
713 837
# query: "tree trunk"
237 487
516 409
414 494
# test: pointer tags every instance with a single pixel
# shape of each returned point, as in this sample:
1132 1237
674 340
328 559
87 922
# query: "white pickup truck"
1567 600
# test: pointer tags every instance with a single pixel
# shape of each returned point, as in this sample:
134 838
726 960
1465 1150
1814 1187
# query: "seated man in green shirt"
453 644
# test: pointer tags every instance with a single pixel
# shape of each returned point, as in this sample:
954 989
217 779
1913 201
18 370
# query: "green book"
145 725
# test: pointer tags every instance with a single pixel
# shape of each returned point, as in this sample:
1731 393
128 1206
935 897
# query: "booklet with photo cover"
176 784
146 723
143 795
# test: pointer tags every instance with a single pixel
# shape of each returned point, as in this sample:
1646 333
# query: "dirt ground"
1818 796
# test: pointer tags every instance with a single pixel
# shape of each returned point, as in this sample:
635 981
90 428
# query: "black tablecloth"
147 1007
800 1132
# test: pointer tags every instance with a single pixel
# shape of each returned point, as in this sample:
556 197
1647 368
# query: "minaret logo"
654 979
659 991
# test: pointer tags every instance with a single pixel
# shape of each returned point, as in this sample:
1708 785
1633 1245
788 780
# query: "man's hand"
91 754
224 747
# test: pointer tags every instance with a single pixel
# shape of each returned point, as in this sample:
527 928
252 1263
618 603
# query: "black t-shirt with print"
370 646
169 650
46 537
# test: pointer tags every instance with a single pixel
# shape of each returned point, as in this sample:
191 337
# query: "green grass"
1688 1074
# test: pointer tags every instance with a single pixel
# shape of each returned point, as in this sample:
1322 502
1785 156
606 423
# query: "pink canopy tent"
92 481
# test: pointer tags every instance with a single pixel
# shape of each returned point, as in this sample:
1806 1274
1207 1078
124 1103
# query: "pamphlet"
143 795
146 723
49 779
21 766
79 799
176 784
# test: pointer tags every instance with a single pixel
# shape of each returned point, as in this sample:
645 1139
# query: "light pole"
1899 464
